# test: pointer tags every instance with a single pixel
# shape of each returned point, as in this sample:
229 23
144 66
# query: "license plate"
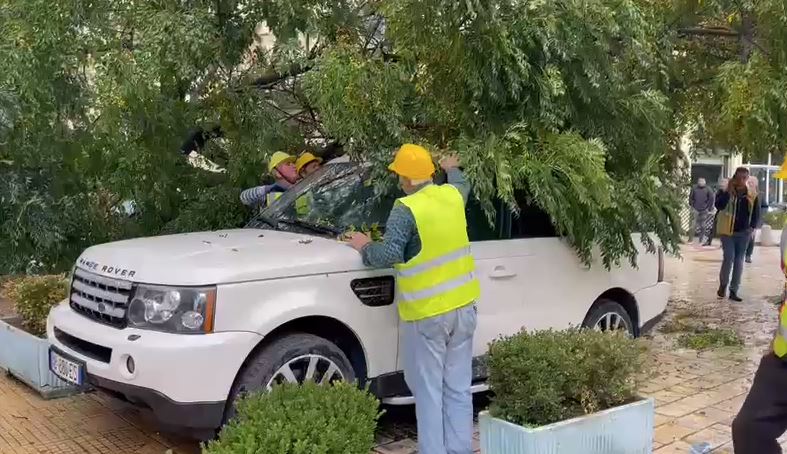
66 369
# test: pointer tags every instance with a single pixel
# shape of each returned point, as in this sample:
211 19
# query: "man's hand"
358 240
449 162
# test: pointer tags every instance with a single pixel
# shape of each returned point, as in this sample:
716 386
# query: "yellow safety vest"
302 203
441 277
271 197
780 341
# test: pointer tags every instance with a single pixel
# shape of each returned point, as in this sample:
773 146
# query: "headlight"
173 309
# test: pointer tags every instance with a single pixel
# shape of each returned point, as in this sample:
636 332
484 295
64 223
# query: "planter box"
26 357
627 429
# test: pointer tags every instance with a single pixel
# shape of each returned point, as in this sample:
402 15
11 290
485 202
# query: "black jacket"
746 214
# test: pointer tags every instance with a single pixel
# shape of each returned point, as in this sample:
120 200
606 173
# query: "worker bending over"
282 168
426 242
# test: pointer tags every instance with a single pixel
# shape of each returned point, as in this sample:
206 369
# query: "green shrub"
305 419
547 376
34 296
775 219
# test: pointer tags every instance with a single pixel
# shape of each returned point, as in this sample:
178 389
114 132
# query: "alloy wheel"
612 321
312 367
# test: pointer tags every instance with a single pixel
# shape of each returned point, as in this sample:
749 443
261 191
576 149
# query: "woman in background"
739 213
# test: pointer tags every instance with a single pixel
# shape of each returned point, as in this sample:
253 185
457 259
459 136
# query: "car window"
478 227
339 196
532 221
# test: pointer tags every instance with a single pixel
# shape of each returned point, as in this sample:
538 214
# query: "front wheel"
293 358
608 315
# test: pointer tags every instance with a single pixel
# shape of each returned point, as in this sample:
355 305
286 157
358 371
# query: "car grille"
100 298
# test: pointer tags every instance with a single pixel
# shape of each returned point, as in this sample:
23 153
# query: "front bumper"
184 379
652 302
182 415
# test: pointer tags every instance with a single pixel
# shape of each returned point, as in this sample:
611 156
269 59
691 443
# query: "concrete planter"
26 357
627 429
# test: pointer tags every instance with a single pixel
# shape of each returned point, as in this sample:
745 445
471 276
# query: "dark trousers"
763 417
750 247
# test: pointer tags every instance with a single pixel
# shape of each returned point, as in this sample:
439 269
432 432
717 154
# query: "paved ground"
697 394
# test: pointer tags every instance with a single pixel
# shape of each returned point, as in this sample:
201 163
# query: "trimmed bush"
33 297
543 377
776 219
302 419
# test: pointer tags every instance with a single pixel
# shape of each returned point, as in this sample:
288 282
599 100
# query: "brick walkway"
697 394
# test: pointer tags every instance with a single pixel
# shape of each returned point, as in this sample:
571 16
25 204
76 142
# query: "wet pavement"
697 393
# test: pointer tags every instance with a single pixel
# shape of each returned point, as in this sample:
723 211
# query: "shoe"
748 259
721 292
734 297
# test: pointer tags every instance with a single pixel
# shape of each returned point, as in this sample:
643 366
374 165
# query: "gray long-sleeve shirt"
701 198
401 241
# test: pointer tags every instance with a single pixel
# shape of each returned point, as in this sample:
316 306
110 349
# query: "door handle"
500 272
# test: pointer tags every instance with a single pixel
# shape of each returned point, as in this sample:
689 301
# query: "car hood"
219 257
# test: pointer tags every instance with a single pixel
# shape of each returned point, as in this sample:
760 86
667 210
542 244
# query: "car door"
553 288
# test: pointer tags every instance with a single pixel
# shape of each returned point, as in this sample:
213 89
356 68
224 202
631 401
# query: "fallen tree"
564 100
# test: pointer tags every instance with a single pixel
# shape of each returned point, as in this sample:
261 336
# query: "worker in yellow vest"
282 167
426 242
307 164
763 417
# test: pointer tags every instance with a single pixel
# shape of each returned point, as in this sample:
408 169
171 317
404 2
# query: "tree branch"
701 31
273 77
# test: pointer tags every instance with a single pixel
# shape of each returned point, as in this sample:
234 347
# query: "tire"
605 312
302 354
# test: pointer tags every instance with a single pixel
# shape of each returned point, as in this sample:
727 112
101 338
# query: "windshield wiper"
262 219
323 229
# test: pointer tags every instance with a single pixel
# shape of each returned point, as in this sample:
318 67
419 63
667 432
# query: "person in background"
739 212
307 164
282 167
752 184
701 203
426 242
722 187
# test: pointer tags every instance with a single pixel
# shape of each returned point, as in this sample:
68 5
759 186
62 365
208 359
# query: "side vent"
374 291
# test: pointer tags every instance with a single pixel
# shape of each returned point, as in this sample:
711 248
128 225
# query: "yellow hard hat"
782 173
413 162
304 159
278 158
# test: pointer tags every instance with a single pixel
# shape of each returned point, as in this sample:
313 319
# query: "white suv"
184 323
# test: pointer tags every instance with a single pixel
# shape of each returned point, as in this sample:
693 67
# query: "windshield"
337 198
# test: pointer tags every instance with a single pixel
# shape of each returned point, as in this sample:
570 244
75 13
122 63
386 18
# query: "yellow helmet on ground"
279 158
413 162
304 159
782 173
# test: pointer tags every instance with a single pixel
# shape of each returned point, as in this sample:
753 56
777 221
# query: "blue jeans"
438 368
734 248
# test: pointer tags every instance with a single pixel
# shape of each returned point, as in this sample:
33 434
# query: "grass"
697 336
703 338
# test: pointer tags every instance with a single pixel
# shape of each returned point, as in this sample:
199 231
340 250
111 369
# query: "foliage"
775 219
728 79
565 100
547 376
704 338
33 297
302 419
